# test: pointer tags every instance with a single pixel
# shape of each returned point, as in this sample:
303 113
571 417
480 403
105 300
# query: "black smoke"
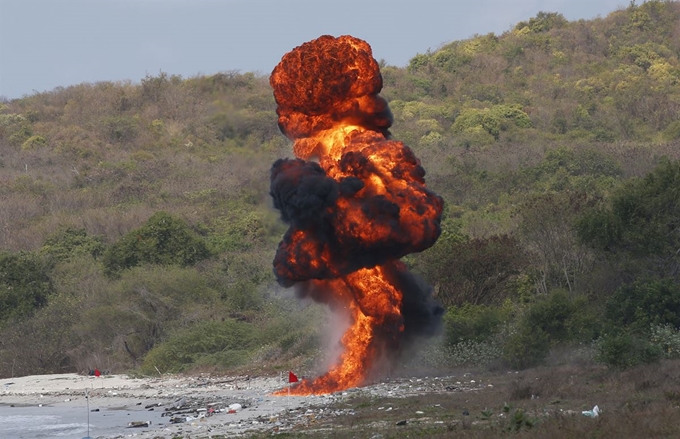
306 198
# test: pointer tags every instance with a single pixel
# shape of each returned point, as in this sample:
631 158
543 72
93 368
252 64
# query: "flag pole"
87 398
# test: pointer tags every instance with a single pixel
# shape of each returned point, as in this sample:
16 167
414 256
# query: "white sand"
49 405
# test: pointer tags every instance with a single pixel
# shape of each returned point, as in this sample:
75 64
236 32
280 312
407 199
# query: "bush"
645 303
526 347
440 355
577 162
178 286
471 119
586 323
543 22
238 232
625 350
667 338
557 318
121 128
129 316
475 271
34 142
564 318
473 353
641 223
672 131
551 315
225 344
492 120
25 284
478 323
42 344
70 242
163 240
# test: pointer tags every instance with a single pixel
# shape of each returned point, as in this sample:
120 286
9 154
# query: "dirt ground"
643 402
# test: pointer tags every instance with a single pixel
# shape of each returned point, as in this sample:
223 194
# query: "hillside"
136 230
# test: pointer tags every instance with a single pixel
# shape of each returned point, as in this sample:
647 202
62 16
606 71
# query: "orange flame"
375 209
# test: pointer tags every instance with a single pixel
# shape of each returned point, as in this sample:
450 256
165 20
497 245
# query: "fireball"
356 202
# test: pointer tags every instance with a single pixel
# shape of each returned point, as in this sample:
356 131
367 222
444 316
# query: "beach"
197 407
114 406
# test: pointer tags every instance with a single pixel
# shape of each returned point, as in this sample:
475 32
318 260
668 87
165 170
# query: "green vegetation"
162 240
24 285
136 232
225 344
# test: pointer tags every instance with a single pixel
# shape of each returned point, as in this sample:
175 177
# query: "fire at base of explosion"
356 212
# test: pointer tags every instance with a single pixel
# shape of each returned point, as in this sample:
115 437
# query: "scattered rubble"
184 406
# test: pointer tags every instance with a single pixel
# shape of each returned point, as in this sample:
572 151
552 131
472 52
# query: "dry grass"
639 403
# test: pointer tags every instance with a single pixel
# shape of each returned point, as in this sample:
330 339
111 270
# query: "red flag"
292 378
96 372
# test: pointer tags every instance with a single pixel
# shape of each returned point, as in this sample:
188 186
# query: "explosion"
354 211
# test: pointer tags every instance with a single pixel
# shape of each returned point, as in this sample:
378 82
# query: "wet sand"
42 406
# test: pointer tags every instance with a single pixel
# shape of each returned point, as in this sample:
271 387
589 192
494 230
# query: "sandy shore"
42 406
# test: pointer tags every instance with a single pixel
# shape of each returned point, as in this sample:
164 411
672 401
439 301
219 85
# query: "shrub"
21 132
129 316
576 162
25 284
585 323
71 242
645 303
625 350
526 347
177 286
237 232
42 344
418 62
472 119
543 22
212 343
163 240
121 128
672 131
475 136
472 322
492 120
473 353
474 271
34 142
550 315
641 222
667 338
599 229
434 354
242 296
556 316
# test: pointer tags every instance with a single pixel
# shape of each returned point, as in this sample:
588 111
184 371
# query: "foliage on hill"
602 80
162 240
135 228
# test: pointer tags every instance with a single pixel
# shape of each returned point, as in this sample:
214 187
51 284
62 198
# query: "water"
33 422
34 426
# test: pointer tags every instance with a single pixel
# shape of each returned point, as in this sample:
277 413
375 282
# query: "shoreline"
196 405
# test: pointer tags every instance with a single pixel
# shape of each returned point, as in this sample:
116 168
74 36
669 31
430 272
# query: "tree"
25 284
641 224
70 242
645 303
44 343
542 22
163 240
547 232
474 271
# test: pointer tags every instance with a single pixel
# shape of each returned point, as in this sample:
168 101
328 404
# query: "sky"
46 44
